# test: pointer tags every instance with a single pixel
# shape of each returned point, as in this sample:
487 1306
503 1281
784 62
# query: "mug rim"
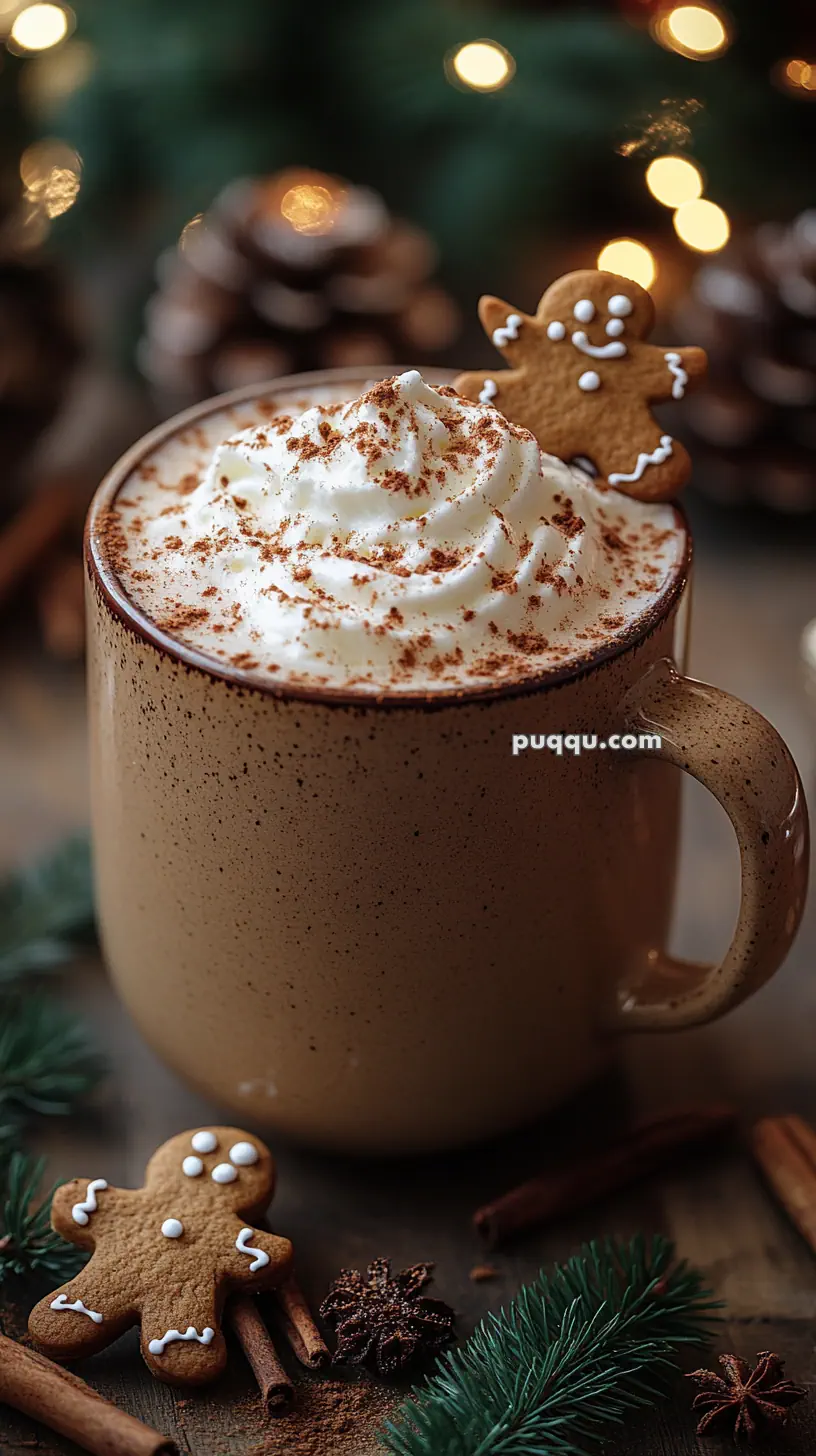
132 617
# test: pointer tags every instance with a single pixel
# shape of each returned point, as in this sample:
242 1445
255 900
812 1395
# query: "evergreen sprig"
572 1355
29 1248
44 908
46 1060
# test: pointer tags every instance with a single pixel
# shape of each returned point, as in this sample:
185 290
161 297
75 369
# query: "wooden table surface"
753 596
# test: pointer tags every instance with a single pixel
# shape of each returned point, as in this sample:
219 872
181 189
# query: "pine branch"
46 1060
572 1354
43 908
28 1245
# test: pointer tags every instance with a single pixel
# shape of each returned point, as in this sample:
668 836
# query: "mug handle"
758 785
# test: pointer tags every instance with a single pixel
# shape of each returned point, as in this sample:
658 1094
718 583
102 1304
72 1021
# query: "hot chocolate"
406 539
352 914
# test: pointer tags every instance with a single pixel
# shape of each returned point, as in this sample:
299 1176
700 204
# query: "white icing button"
243 1155
556 330
204 1142
172 1228
584 310
620 305
615 328
590 380
224 1173
192 1167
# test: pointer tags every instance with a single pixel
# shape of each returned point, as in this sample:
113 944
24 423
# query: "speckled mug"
365 922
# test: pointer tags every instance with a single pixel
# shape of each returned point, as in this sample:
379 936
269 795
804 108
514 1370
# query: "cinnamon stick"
65 1404
306 1341
785 1148
638 1153
277 1390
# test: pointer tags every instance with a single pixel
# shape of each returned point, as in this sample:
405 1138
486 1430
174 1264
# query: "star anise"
750 1401
386 1321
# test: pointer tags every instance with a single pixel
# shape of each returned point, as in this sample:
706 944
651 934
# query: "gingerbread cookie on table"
166 1255
583 377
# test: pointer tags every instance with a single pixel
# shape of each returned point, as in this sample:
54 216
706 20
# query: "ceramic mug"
368 922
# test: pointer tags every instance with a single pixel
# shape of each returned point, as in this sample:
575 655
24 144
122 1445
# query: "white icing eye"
555 330
590 380
584 310
204 1142
615 328
224 1173
172 1228
243 1155
620 305
192 1167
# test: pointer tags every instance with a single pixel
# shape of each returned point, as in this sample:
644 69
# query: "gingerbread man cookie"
583 378
166 1255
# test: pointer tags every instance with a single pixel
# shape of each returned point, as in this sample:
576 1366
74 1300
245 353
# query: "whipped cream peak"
408 539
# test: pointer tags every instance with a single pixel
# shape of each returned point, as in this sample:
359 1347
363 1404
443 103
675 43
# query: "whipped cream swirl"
407 540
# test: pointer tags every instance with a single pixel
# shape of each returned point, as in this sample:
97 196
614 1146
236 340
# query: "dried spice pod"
748 1402
385 1320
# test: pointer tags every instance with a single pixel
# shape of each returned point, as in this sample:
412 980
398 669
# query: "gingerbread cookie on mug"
583 378
166 1255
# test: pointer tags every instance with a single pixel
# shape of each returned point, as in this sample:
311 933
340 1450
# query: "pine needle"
572 1355
46 1060
29 1248
44 908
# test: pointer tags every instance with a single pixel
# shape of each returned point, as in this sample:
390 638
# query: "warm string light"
50 171
40 26
798 76
674 180
702 225
310 208
630 259
699 32
481 65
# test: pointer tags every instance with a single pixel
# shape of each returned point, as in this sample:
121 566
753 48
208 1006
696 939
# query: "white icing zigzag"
244 1247
61 1302
489 391
615 350
680 375
658 455
80 1211
510 330
156 1347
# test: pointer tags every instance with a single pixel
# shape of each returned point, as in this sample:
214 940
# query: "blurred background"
198 195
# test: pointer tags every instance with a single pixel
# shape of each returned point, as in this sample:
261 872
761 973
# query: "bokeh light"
482 65
799 75
50 171
674 180
702 225
39 27
310 208
630 259
699 32
189 229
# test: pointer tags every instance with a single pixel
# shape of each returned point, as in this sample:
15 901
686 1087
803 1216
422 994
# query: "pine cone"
298 271
752 431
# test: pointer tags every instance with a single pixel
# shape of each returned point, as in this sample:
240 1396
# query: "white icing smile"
61 1302
156 1347
613 350
81 1211
243 1246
